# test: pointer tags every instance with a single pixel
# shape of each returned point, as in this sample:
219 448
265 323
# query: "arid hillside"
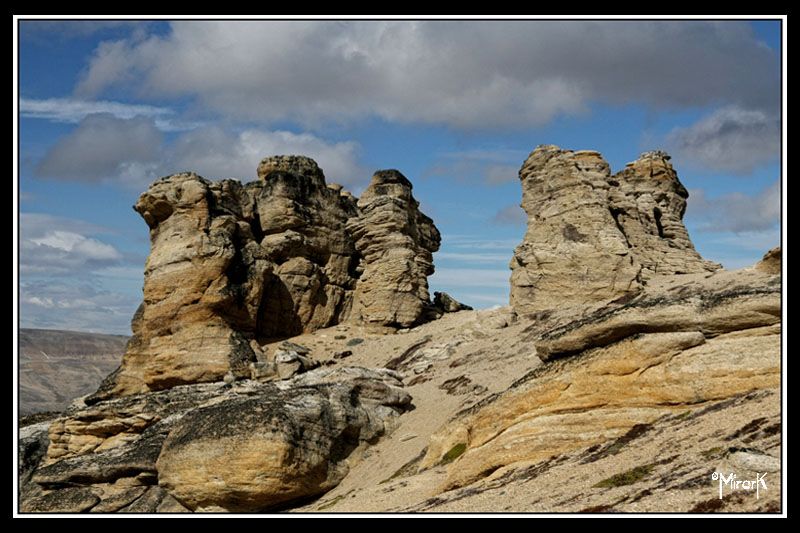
58 366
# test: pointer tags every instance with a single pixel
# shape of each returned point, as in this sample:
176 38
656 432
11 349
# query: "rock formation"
771 262
249 446
685 342
232 265
593 237
396 242
628 371
445 303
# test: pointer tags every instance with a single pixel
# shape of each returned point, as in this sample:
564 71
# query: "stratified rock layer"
685 342
593 237
248 446
397 242
232 264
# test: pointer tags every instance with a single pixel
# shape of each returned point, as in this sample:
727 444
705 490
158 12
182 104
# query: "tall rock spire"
593 237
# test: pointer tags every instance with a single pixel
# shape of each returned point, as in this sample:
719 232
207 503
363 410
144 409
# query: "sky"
106 107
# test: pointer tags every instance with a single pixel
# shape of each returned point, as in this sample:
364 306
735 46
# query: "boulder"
254 453
244 446
447 304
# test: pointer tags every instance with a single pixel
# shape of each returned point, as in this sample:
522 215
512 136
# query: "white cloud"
132 151
72 111
511 215
469 241
62 267
731 139
67 241
215 153
473 257
463 74
494 167
78 306
736 212
52 245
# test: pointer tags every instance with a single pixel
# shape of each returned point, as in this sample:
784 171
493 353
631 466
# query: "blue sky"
106 107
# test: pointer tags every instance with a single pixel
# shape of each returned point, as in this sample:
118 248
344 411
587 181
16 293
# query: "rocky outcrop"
593 237
247 446
648 201
254 453
617 382
396 242
231 265
771 262
445 303
685 342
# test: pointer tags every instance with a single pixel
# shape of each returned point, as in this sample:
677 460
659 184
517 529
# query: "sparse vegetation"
713 453
626 478
453 453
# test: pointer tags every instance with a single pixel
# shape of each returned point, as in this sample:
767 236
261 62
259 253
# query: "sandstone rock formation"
232 265
624 393
397 242
245 447
593 237
771 262
687 341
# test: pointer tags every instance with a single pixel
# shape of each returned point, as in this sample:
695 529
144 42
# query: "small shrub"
626 478
453 453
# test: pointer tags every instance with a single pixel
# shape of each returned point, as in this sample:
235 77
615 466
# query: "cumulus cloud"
63 263
216 153
736 212
460 73
133 151
101 148
58 245
511 215
731 139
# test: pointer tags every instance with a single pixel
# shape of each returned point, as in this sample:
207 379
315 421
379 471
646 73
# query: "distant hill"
57 366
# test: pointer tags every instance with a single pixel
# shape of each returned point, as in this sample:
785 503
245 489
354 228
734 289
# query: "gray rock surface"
245 446
447 304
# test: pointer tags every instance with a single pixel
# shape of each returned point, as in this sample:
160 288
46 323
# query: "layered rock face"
593 237
248 446
397 242
233 264
685 342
